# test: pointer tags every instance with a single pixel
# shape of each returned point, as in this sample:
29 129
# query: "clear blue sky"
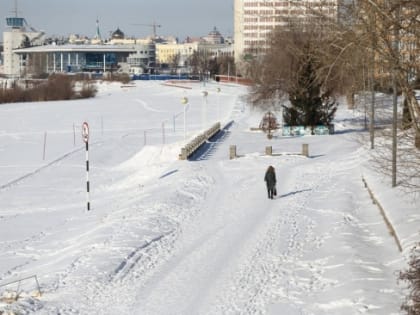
180 18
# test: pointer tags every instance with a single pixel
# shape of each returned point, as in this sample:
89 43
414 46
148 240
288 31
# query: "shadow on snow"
294 193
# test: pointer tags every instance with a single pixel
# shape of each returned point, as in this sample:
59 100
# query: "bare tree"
389 30
276 72
384 24
373 44
174 62
412 275
36 65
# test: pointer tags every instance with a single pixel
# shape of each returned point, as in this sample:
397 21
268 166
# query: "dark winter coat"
270 177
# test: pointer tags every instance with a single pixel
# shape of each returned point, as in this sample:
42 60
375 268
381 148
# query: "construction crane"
153 25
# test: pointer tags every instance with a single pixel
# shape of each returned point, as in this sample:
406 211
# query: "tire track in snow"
134 269
145 254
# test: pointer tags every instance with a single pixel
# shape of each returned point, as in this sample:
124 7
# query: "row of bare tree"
372 45
56 87
204 62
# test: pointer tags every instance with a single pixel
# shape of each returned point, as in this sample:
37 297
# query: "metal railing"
19 281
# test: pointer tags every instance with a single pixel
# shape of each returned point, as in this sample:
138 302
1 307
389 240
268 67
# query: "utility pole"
394 129
372 106
395 44
372 87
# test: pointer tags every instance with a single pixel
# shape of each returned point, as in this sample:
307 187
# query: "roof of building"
215 32
117 34
77 48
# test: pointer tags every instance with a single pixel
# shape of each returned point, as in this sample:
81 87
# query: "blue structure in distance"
147 76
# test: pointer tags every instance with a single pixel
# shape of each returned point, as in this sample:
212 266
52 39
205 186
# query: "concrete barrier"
269 151
232 152
198 141
305 149
383 213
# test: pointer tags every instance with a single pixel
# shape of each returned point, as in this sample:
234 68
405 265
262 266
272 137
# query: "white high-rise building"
255 19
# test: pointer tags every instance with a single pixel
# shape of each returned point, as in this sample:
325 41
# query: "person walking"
270 180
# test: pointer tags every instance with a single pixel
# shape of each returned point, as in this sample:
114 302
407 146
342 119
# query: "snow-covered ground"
165 236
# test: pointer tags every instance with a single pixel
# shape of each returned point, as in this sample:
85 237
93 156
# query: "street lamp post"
218 102
204 110
184 101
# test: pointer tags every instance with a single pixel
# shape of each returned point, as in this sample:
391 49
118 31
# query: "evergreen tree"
308 107
328 109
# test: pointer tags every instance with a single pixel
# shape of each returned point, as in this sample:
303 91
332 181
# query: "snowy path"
211 248
243 251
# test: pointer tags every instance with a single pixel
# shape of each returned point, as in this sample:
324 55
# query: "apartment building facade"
254 20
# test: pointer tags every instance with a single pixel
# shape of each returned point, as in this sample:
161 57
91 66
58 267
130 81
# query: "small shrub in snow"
412 275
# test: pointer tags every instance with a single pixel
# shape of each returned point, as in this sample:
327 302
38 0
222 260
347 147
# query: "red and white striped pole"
85 134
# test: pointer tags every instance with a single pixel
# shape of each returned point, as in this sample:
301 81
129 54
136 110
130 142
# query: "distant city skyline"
179 18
